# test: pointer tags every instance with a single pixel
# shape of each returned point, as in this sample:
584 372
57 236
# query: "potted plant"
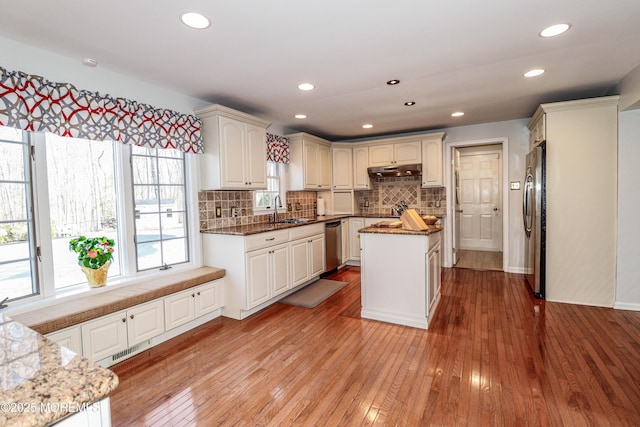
94 257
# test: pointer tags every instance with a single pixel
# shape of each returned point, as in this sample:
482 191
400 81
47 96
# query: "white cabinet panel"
179 308
145 321
355 224
310 163
432 161
401 153
279 269
324 166
316 256
256 160
342 166
70 338
299 262
381 155
105 336
209 297
361 179
345 240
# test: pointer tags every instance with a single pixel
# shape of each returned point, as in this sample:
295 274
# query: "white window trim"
126 250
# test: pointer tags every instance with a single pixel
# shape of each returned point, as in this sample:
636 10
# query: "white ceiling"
449 55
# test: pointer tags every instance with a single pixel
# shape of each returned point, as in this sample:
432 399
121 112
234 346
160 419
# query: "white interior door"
480 201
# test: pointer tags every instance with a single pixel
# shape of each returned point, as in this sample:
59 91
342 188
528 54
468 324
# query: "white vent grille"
131 350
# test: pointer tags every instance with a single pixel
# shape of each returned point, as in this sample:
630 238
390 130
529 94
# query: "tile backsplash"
217 208
387 192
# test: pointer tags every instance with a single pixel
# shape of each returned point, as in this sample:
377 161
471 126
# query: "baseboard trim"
626 306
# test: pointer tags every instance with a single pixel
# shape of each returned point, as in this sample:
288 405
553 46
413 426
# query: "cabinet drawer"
305 231
263 240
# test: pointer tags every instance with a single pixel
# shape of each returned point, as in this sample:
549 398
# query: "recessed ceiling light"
300 116
90 62
410 103
195 20
393 82
306 86
457 114
367 126
554 30
533 73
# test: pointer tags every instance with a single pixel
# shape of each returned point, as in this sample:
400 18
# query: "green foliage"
92 252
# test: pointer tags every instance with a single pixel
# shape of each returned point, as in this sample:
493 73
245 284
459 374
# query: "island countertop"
401 231
43 382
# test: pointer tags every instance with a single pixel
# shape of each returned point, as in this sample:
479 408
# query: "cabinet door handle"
198 294
268 240
124 320
131 317
193 295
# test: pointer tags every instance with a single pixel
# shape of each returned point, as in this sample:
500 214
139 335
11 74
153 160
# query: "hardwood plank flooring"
493 355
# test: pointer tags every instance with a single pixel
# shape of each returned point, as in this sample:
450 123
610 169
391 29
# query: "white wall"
21 57
628 266
517 133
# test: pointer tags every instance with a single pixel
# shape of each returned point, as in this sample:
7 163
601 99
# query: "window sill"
84 303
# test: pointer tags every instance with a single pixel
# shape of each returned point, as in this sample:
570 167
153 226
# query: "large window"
17 240
53 189
160 211
82 200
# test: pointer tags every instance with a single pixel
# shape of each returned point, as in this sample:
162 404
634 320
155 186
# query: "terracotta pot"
98 277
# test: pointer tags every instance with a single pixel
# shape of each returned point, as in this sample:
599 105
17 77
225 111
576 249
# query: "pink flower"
92 254
110 249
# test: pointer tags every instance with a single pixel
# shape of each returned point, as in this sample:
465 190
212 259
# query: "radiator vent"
131 350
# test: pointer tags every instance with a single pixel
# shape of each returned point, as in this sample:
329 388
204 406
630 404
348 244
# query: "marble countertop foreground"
42 382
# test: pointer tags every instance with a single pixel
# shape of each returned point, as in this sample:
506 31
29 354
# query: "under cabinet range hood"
395 170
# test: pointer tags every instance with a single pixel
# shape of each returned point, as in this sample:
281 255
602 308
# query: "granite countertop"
400 231
246 230
43 382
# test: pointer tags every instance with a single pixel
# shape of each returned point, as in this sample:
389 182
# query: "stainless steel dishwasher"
333 244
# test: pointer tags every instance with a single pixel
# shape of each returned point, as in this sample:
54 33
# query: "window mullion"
125 194
42 217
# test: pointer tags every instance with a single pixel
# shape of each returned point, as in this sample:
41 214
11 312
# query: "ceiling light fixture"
393 82
306 86
535 72
195 20
554 30
300 116
90 62
410 103
367 126
457 114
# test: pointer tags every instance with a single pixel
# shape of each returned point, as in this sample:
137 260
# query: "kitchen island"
400 275
45 383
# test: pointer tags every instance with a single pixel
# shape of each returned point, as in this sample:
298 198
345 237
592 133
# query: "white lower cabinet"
105 336
184 306
267 273
70 338
108 335
260 267
434 267
346 238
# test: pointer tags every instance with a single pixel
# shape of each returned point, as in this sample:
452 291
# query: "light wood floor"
494 355
479 260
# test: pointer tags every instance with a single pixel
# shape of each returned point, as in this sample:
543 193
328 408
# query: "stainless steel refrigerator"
534 218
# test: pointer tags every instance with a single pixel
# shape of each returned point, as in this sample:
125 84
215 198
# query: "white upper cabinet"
342 166
235 150
432 160
361 179
310 163
402 153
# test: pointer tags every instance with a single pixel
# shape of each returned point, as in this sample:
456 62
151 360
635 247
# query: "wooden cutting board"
411 220
388 224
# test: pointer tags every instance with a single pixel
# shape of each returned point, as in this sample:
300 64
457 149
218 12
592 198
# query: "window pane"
175 251
17 240
272 169
161 226
82 200
170 171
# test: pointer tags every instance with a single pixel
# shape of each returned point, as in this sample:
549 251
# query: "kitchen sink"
294 220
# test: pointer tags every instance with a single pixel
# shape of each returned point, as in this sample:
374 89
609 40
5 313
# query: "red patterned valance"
33 103
277 149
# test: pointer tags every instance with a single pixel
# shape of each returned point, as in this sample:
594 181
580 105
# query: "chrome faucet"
276 204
